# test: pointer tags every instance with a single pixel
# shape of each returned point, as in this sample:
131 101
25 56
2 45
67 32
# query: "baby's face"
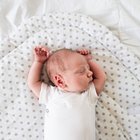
78 75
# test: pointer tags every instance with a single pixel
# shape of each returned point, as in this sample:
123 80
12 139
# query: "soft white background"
120 16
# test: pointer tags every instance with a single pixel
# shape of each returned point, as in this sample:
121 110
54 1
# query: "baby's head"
69 70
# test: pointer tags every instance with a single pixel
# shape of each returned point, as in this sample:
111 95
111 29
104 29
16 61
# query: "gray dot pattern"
118 108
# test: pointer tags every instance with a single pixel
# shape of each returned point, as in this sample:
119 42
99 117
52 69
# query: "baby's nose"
90 73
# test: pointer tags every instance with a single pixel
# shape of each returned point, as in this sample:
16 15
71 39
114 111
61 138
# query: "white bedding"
120 16
118 109
22 118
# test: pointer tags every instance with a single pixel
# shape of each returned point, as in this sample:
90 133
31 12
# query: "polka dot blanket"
118 108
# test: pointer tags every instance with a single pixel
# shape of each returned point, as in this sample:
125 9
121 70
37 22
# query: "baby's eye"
81 70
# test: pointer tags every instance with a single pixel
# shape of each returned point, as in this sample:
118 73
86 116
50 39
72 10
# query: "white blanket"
120 16
118 109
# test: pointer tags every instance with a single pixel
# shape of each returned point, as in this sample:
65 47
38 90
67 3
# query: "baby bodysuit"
69 115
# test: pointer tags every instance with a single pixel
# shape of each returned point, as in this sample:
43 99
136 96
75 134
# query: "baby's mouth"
90 80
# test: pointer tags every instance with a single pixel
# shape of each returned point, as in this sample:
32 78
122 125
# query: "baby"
70 103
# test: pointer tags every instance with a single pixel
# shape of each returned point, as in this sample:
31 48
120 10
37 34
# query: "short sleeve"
93 94
45 93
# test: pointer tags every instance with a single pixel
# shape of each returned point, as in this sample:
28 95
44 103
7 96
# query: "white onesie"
69 116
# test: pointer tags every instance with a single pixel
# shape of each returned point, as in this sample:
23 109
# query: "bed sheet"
20 109
118 109
121 16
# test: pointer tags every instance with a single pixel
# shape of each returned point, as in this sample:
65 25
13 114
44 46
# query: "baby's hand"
41 54
86 53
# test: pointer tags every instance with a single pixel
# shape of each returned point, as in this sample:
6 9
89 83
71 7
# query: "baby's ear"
59 81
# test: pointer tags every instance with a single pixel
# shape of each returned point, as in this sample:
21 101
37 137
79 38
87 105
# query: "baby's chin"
80 90
84 89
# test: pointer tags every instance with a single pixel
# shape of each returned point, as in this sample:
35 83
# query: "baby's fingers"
84 52
37 51
41 51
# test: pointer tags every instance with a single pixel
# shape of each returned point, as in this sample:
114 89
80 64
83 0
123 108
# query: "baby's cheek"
85 83
82 84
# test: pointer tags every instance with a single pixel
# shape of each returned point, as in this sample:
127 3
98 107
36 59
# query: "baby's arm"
99 76
40 56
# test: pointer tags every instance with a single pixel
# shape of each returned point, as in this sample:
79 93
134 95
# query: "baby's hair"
57 62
